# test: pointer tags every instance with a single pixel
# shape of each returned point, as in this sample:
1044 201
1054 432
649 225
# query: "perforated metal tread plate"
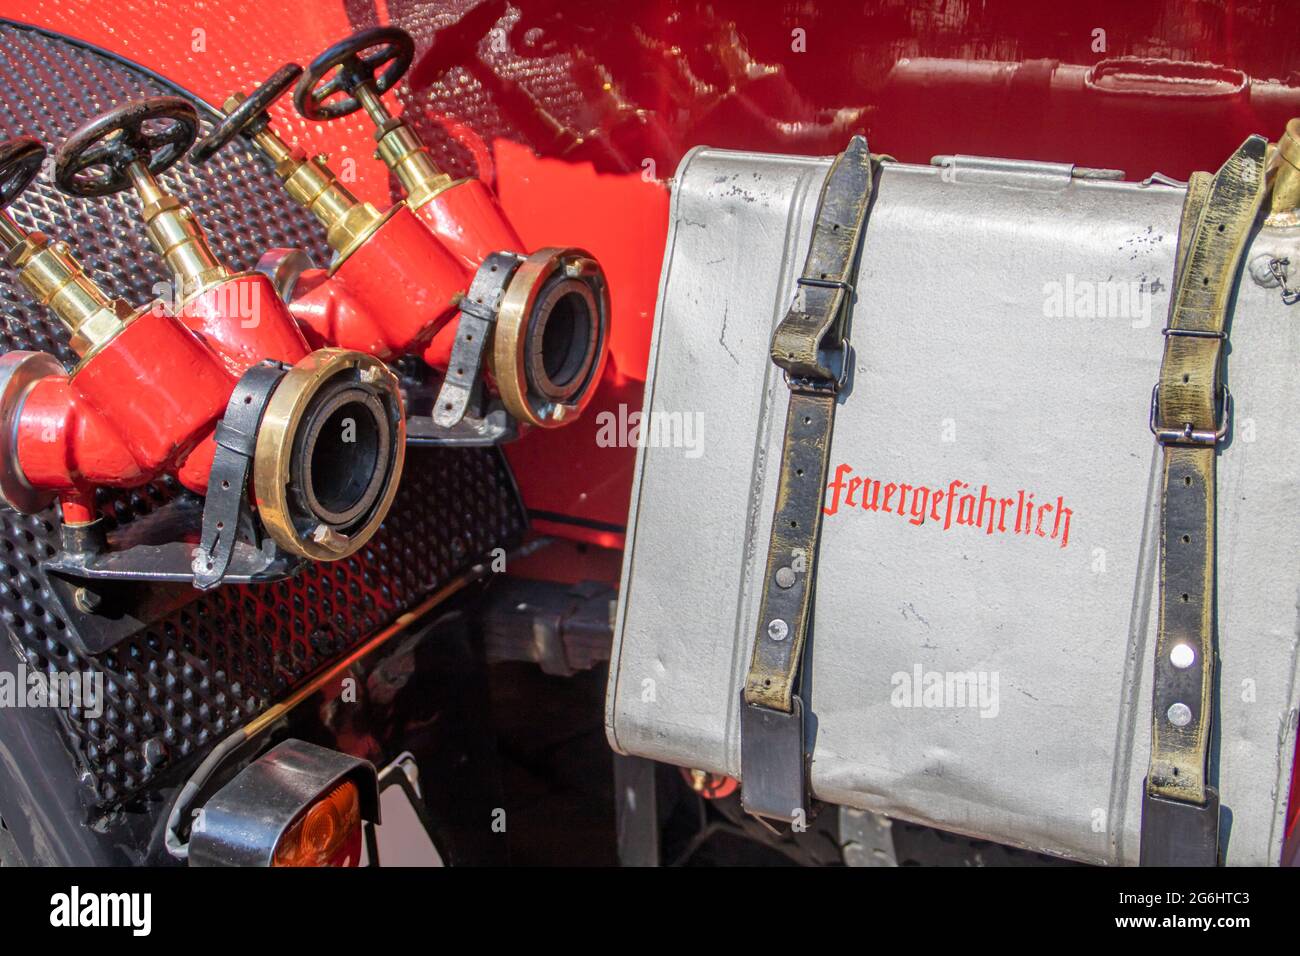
177 688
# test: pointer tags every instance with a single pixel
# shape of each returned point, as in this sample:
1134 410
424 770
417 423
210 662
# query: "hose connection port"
549 351
329 454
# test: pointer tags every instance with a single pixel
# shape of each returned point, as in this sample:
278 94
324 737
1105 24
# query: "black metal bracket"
495 426
112 586
772 753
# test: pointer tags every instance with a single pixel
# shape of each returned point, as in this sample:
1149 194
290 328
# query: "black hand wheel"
250 117
154 130
20 161
359 59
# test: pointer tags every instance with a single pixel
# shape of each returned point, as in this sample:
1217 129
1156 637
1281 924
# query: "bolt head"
87 601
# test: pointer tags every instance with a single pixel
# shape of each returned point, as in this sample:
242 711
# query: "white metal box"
962 674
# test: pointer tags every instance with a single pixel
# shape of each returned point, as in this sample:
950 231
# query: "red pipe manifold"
398 278
153 383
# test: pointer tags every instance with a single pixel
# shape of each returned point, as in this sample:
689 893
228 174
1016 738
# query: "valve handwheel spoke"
250 117
155 131
20 161
376 59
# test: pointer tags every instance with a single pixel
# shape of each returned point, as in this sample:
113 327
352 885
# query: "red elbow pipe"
388 297
468 221
130 412
398 291
148 402
244 320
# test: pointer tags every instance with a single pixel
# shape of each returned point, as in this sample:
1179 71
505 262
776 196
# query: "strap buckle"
808 384
1187 435
462 385
1194 334
826 283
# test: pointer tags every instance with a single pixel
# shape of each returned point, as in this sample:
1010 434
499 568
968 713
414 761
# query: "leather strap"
225 509
478 316
811 346
1189 414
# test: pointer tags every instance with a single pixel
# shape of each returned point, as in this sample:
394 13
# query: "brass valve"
55 279
120 150
362 68
46 268
176 235
348 222
403 153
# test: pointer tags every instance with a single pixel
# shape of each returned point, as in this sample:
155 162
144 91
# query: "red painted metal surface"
388 297
470 224
575 484
245 320
131 411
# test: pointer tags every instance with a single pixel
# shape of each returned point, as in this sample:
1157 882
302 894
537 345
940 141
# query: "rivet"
785 578
1182 656
1180 715
777 629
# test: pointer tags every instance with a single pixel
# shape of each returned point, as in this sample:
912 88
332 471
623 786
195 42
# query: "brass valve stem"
313 185
1284 207
176 235
11 234
403 152
55 279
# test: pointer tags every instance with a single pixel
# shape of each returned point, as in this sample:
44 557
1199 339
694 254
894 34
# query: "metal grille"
179 686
